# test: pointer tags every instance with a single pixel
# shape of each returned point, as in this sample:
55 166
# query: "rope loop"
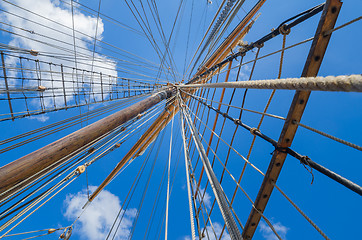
284 31
279 149
253 131
67 233
237 121
305 162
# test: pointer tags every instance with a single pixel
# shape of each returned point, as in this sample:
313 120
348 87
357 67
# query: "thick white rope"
193 235
168 181
214 183
351 83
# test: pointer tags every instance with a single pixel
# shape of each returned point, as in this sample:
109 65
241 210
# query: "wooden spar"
25 169
140 146
311 68
232 40
165 117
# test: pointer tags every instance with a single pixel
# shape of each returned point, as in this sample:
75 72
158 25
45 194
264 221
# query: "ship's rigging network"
181 117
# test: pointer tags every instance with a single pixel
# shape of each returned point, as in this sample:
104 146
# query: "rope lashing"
252 130
303 159
67 233
283 30
344 83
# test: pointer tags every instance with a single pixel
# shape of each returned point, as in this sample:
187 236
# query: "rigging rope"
168 181
238 184
349 144
188 180
345 83
304 16
254 131
305 160
225 104
228 218
301 212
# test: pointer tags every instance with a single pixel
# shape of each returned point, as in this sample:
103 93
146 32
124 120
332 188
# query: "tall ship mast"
181 119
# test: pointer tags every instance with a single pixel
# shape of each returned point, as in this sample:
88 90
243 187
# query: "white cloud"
218 228
41 118
207 197
62 14
268 234
98 218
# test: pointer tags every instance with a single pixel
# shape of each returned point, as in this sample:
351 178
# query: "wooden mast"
36 164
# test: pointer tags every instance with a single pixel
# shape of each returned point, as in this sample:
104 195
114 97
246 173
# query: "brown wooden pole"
25 169
311 68
143 142
232 40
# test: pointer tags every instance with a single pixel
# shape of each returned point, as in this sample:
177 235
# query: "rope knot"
282 149
284 31
279 149
305 162
253 131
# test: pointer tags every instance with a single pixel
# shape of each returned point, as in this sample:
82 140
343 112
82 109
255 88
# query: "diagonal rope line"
168 181
187 179
349 144
217 189
301 212
238 185
228 105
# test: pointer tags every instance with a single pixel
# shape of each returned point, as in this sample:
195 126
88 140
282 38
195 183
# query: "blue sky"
332 207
